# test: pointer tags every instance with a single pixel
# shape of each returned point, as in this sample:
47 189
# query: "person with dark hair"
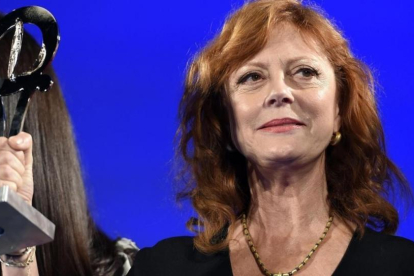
54 186
284 153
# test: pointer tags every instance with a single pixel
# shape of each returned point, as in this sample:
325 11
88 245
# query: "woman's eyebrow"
263 65
291 61
287 62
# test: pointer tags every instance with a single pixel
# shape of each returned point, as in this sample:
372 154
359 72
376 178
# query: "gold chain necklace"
297 268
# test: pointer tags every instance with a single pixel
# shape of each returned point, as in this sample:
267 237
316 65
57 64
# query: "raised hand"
16 164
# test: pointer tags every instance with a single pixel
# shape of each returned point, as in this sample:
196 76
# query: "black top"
375 254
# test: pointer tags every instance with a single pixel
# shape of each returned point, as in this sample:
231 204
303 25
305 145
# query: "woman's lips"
281 125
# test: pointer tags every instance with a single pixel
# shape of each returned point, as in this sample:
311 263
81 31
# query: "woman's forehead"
288 39
286 43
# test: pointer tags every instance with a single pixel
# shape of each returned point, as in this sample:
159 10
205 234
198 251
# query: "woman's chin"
277 159
287 156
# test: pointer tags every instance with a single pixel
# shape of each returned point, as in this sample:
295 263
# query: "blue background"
121 65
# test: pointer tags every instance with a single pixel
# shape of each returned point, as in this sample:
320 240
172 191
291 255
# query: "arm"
16 163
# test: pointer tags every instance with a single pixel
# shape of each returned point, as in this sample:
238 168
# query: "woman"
285 156
80 247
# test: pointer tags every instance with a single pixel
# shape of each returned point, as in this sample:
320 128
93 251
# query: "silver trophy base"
21 225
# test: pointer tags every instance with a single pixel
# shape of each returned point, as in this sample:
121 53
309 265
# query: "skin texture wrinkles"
283 114
287 79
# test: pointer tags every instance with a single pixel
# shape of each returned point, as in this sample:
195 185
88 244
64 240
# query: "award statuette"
21 225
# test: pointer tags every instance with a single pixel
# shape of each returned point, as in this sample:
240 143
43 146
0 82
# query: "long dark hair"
79 248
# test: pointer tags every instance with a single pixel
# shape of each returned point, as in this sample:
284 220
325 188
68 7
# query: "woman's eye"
307 72
251 77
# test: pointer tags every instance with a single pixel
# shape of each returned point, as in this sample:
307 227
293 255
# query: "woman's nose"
279 94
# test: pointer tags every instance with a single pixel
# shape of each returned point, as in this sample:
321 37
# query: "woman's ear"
337 120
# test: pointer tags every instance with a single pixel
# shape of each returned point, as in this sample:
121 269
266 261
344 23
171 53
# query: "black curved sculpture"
20 224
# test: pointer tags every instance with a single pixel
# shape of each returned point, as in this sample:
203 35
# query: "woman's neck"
291 199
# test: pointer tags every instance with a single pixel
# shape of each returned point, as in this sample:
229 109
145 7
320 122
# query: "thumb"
23 142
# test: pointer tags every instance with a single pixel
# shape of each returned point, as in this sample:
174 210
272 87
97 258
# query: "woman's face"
283 101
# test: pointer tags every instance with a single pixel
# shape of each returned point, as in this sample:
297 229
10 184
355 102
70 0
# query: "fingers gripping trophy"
21 225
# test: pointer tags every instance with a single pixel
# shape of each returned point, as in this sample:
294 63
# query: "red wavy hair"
359 173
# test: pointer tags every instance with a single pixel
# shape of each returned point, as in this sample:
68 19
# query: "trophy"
21 225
